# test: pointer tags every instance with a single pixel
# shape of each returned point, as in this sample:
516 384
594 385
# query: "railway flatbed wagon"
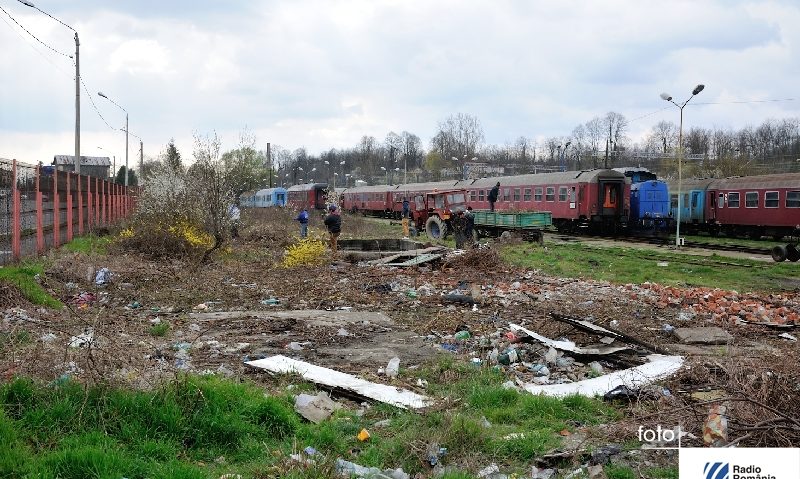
530 224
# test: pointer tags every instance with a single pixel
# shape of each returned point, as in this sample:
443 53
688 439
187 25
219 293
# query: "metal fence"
42 208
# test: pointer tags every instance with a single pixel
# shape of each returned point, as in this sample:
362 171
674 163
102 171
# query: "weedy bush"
305 252
165 237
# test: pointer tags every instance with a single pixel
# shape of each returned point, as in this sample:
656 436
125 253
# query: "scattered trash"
667 328
540 370
343 332
393 368
294 346
488 470
568 346
411 293
363 435
315 408
475 362
84 298
787 336
715 428
268 302
602 455
422 383
462 335
459 298
71 285
710 395
596 367
485 422
663 264
434 452
537 473
82 340
126 286
201 307
134 305
508 357
103 276
596 472
383 423
48 337
328 377
349 469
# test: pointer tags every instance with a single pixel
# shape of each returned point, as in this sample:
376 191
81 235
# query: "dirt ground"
356 317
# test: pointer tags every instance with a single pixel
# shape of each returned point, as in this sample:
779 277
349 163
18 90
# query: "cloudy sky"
323 73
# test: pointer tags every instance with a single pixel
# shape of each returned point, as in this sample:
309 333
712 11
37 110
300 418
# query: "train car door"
695 206
611 197
712 206
319 198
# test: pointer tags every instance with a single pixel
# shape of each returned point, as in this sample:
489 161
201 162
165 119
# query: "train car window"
610 197
473 195
527 195
537 194
793 199
685 200
733 199
721 200
516 194
419 202
562 193
572 195
506 194
771 199
551 194
751 199
481 195
694 201
673 201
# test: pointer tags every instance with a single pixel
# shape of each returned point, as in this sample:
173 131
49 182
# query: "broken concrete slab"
658 367
335 379
704 335
315 408
569 346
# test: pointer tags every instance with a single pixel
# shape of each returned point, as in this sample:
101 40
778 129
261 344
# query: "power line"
742 102
54 18
39 52
34 36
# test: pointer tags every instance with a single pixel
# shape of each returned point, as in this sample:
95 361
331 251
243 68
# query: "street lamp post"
668 97
77 86
127 173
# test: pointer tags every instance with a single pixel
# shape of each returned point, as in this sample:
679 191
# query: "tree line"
603 141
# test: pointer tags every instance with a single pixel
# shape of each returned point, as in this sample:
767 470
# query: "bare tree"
595 133
667 134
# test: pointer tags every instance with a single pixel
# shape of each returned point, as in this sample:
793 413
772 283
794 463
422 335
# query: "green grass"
23 276
180 429
633 265
160 329
619 472
88 244
661 473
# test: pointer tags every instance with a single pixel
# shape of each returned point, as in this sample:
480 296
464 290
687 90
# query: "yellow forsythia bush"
305 252
164 238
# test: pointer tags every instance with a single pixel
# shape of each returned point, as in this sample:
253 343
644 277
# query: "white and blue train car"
265 198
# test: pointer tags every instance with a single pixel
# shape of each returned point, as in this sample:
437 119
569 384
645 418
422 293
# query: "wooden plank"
397 397
417 260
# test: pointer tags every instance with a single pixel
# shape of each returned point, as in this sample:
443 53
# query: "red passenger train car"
597 199
309 195
763 205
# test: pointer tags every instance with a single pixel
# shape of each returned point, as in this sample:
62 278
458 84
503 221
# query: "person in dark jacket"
470 226
334 224
493 196
406 215
303 219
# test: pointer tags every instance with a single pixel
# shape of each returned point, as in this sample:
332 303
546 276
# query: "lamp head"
666 96
102 95
698 89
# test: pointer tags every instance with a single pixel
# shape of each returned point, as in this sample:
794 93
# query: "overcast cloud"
321 74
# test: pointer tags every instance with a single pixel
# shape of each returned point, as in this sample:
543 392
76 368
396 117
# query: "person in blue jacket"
303 219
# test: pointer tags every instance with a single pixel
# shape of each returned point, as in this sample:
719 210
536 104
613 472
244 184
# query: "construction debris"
707 335
569 346
340 381
315 408
658 367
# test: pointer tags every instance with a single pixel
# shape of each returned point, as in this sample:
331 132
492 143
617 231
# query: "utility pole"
269 164
606 161
141 161
77 107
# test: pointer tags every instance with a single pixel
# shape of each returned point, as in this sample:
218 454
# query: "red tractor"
434 211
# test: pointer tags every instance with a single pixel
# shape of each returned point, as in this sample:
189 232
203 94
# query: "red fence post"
97 201
69 206
15 207
39 213
56 212
80 205
89 202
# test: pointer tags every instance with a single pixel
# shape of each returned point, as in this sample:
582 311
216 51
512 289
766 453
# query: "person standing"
493 194
406 215
303 219
470 226
334 224
234 215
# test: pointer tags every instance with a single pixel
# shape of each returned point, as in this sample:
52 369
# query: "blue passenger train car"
266 198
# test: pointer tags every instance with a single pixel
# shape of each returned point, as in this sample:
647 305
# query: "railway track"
689 244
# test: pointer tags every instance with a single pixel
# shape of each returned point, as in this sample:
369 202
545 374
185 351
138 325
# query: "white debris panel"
398 397
658 367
